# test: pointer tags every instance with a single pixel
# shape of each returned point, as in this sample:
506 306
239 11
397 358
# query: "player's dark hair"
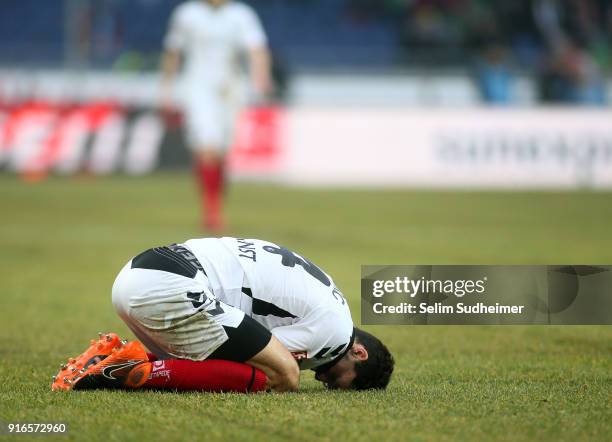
375 372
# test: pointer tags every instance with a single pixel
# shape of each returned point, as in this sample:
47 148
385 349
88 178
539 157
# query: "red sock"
210 179
212 375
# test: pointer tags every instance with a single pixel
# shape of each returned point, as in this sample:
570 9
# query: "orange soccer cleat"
107 363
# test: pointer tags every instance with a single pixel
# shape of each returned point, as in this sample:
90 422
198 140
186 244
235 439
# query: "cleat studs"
63 366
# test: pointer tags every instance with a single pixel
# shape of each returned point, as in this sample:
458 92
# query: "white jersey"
283 291
211 39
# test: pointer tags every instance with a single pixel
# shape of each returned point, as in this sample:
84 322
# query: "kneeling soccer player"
229 314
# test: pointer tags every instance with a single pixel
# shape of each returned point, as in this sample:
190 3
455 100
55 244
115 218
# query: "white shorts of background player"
211 115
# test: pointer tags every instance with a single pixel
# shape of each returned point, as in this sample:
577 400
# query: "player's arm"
170 64
279 366
250 342
260 68
255 44
175 42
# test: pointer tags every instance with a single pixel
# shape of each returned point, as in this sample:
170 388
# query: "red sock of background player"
212 375
210 177
199 170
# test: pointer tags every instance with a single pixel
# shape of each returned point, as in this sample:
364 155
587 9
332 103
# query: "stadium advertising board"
484 147
104 137
447 148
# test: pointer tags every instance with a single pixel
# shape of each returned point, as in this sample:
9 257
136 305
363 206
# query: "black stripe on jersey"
322 352
165 260
337 350
323 368
264 308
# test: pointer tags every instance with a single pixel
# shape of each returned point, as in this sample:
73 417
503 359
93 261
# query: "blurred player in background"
211 35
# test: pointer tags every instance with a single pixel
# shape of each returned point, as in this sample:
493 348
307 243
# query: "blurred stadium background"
410 94
79 87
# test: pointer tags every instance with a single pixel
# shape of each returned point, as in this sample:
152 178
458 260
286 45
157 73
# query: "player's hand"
263 88
166 101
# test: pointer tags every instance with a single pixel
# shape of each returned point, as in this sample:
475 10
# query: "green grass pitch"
63 241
